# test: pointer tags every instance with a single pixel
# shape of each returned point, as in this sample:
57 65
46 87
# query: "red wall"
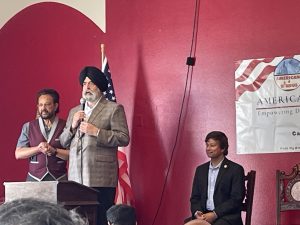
147 43
45 45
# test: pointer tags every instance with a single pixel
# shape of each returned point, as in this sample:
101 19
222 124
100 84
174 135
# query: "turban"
95 75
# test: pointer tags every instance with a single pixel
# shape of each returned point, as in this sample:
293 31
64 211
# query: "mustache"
88 92
46 111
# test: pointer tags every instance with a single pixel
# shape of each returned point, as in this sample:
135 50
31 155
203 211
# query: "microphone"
82 103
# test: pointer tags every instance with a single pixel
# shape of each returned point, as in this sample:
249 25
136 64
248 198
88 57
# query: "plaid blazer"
93 160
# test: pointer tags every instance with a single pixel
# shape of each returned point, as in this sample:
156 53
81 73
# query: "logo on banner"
287 74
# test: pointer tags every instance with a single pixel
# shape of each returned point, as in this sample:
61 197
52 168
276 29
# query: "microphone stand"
80 135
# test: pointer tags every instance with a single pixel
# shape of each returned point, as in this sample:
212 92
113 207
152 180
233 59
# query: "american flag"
110 92
124 193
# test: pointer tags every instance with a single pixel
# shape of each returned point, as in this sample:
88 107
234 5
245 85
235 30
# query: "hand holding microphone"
80 123
79 116
85 127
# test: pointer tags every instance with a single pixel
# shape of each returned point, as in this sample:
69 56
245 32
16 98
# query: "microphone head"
82 103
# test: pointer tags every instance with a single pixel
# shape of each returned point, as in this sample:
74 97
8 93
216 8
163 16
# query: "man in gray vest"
39 141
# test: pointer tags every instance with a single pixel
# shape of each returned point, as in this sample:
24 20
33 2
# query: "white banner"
268 105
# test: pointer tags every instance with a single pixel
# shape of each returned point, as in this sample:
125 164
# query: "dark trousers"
106 198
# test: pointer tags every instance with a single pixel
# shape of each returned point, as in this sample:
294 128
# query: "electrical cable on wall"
190 62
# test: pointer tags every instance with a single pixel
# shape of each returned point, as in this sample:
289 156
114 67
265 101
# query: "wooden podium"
70 194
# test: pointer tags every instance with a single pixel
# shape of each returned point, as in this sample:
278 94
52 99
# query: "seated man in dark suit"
218 187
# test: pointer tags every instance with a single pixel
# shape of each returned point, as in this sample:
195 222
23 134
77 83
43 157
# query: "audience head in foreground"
121 215
197 222
29 211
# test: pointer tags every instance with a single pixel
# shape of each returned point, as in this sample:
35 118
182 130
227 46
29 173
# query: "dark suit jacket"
228 195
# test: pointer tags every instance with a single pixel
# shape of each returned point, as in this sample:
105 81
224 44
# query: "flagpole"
102 54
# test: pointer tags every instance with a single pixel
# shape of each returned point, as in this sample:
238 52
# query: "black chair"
287 191
248 201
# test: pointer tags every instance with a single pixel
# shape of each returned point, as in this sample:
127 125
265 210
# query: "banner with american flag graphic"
124 193
268 105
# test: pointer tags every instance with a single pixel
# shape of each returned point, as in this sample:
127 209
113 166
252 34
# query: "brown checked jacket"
93 160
